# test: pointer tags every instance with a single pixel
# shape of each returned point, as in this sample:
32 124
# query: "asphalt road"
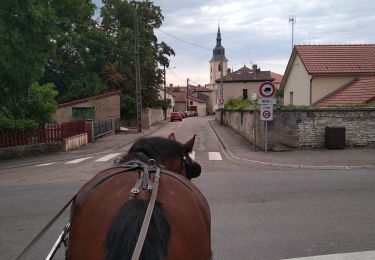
257 212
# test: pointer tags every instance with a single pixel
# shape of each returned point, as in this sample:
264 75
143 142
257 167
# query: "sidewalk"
239 149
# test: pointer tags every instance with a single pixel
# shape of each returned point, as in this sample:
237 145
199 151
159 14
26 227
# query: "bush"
238 104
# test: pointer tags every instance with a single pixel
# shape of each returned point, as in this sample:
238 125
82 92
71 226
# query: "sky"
256 32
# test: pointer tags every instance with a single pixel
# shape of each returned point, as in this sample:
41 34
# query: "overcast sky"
257 31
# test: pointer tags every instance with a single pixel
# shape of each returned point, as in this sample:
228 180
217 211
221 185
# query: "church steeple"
218 37
219 51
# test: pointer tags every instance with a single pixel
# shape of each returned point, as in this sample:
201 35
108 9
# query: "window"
191 103
219 67
244 94
83 112
291 98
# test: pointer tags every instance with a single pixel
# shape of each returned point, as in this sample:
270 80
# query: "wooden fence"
46 134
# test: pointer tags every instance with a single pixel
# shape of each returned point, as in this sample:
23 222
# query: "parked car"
176 116
183 114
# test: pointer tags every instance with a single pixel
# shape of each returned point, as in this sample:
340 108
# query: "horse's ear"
189 145
172 137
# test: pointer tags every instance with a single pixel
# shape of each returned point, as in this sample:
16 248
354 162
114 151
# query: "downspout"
311 79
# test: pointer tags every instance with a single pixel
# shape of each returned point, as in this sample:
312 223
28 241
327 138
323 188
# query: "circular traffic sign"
266 114
267 89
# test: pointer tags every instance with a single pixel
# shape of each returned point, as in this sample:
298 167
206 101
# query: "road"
257 212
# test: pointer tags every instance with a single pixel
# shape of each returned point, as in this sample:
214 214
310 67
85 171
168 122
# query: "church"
241 83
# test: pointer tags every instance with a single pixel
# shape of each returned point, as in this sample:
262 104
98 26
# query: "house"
98 108
205 94
330 75
195 101
244 82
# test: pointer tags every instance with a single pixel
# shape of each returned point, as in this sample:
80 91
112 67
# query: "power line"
193 44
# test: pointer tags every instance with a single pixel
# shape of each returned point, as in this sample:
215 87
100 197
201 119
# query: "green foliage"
42 103
238 104
16 124
128 106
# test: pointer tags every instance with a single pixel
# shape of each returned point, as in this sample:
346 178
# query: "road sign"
266 101
221 101
267 90
266 112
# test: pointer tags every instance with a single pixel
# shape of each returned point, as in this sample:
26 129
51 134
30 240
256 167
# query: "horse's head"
191 169
167 152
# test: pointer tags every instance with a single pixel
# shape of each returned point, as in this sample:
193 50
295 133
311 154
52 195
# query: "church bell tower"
218 63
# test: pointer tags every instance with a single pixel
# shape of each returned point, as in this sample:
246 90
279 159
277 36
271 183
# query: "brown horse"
106 220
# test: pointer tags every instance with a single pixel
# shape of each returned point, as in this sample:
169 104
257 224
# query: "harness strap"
146 221
44 230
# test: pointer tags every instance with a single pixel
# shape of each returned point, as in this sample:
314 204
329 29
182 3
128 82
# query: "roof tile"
346 58
359 91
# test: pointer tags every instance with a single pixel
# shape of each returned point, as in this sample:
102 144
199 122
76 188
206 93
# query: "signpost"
221 102
266 91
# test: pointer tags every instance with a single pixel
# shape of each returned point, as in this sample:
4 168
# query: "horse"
108 211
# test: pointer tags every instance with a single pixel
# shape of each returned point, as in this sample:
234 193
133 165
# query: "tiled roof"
84 100
278 78
246 74
359 91
180 96
199 89
348 58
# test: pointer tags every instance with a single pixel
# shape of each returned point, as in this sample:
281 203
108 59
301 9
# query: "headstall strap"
144 182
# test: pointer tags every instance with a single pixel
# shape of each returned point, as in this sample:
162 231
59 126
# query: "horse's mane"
153 148
126 226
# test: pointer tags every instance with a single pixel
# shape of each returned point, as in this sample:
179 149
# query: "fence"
46 134
103 127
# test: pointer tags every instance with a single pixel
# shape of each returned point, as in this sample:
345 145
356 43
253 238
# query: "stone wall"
304 128
27 150
152 116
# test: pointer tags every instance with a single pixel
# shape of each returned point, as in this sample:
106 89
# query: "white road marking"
365 255
107 157
77 160
214 156
192 155
45 164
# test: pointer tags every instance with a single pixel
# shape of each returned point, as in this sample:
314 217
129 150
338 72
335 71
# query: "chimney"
170 85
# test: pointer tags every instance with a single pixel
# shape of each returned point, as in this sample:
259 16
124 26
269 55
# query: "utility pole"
187 94
138 88
165 97
292 20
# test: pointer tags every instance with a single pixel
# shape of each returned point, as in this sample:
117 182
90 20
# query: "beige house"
330 74
98 108
243 83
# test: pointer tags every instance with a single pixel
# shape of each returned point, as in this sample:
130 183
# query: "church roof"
219 50
246 74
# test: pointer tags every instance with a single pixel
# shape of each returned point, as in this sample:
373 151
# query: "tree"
26 42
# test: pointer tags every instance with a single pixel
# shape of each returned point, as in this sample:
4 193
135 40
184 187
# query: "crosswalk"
212 156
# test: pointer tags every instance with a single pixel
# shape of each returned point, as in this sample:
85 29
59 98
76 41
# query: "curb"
233 157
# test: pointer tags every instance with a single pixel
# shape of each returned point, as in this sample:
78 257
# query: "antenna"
292 20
